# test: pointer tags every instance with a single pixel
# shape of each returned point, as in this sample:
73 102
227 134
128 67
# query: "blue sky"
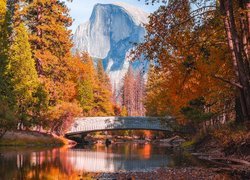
80 10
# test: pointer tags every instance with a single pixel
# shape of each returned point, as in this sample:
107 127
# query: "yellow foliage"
188 62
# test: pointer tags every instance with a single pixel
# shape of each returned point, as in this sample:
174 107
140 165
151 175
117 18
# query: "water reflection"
117 158
64 163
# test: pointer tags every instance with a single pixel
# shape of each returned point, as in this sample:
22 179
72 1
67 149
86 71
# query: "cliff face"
110 34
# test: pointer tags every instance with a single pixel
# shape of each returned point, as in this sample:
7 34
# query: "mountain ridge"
110 35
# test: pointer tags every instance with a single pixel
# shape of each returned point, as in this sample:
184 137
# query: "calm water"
68 163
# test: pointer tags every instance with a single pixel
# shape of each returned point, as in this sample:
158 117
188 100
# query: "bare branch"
228 81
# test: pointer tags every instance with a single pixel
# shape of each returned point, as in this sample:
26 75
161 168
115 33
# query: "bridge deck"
92 124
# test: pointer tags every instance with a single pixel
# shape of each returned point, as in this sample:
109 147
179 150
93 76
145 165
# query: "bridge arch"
85 125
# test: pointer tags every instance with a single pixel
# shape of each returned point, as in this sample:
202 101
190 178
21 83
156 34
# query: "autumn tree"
188 53
124 112
155 100
133 93
47 22
139 94
235 15
128 91
50 41
117 110
62 116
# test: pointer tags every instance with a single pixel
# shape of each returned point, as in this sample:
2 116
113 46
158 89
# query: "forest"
191 109
199 72
202 60
42 83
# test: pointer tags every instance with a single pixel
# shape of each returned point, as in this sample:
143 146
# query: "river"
70 163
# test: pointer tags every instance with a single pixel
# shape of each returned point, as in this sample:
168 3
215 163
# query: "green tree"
7 115
22 73
85 94
103 93
102 75
7 118
195 112
85 77
3 30
4 45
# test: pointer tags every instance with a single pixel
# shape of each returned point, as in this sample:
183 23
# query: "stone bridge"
82 126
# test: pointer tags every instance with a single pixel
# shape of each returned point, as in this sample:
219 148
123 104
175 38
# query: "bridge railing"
90 124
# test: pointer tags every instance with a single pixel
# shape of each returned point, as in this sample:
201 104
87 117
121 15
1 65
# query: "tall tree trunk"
244 24
238 110
240 62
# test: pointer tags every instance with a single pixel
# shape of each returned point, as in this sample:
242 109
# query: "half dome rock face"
110 34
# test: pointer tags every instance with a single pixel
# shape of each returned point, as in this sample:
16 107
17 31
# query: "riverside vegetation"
42 85
200 72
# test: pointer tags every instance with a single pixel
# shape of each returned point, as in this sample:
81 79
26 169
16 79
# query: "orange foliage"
62 115
189 57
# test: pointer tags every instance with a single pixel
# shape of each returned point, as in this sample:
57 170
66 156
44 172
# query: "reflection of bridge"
91 161
93 124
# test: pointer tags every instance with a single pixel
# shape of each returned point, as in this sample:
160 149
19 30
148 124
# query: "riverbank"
226 154
227 142
130 161
31 138
167 174
226 148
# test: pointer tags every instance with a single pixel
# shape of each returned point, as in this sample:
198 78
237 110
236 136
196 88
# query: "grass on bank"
30 138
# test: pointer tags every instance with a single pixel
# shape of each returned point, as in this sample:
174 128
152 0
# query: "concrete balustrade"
86 125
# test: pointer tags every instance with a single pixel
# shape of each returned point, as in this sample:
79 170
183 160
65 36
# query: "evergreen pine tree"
7 116
86 84
50 41
103 92
21 72
102 75
3 30
48 22
4 45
